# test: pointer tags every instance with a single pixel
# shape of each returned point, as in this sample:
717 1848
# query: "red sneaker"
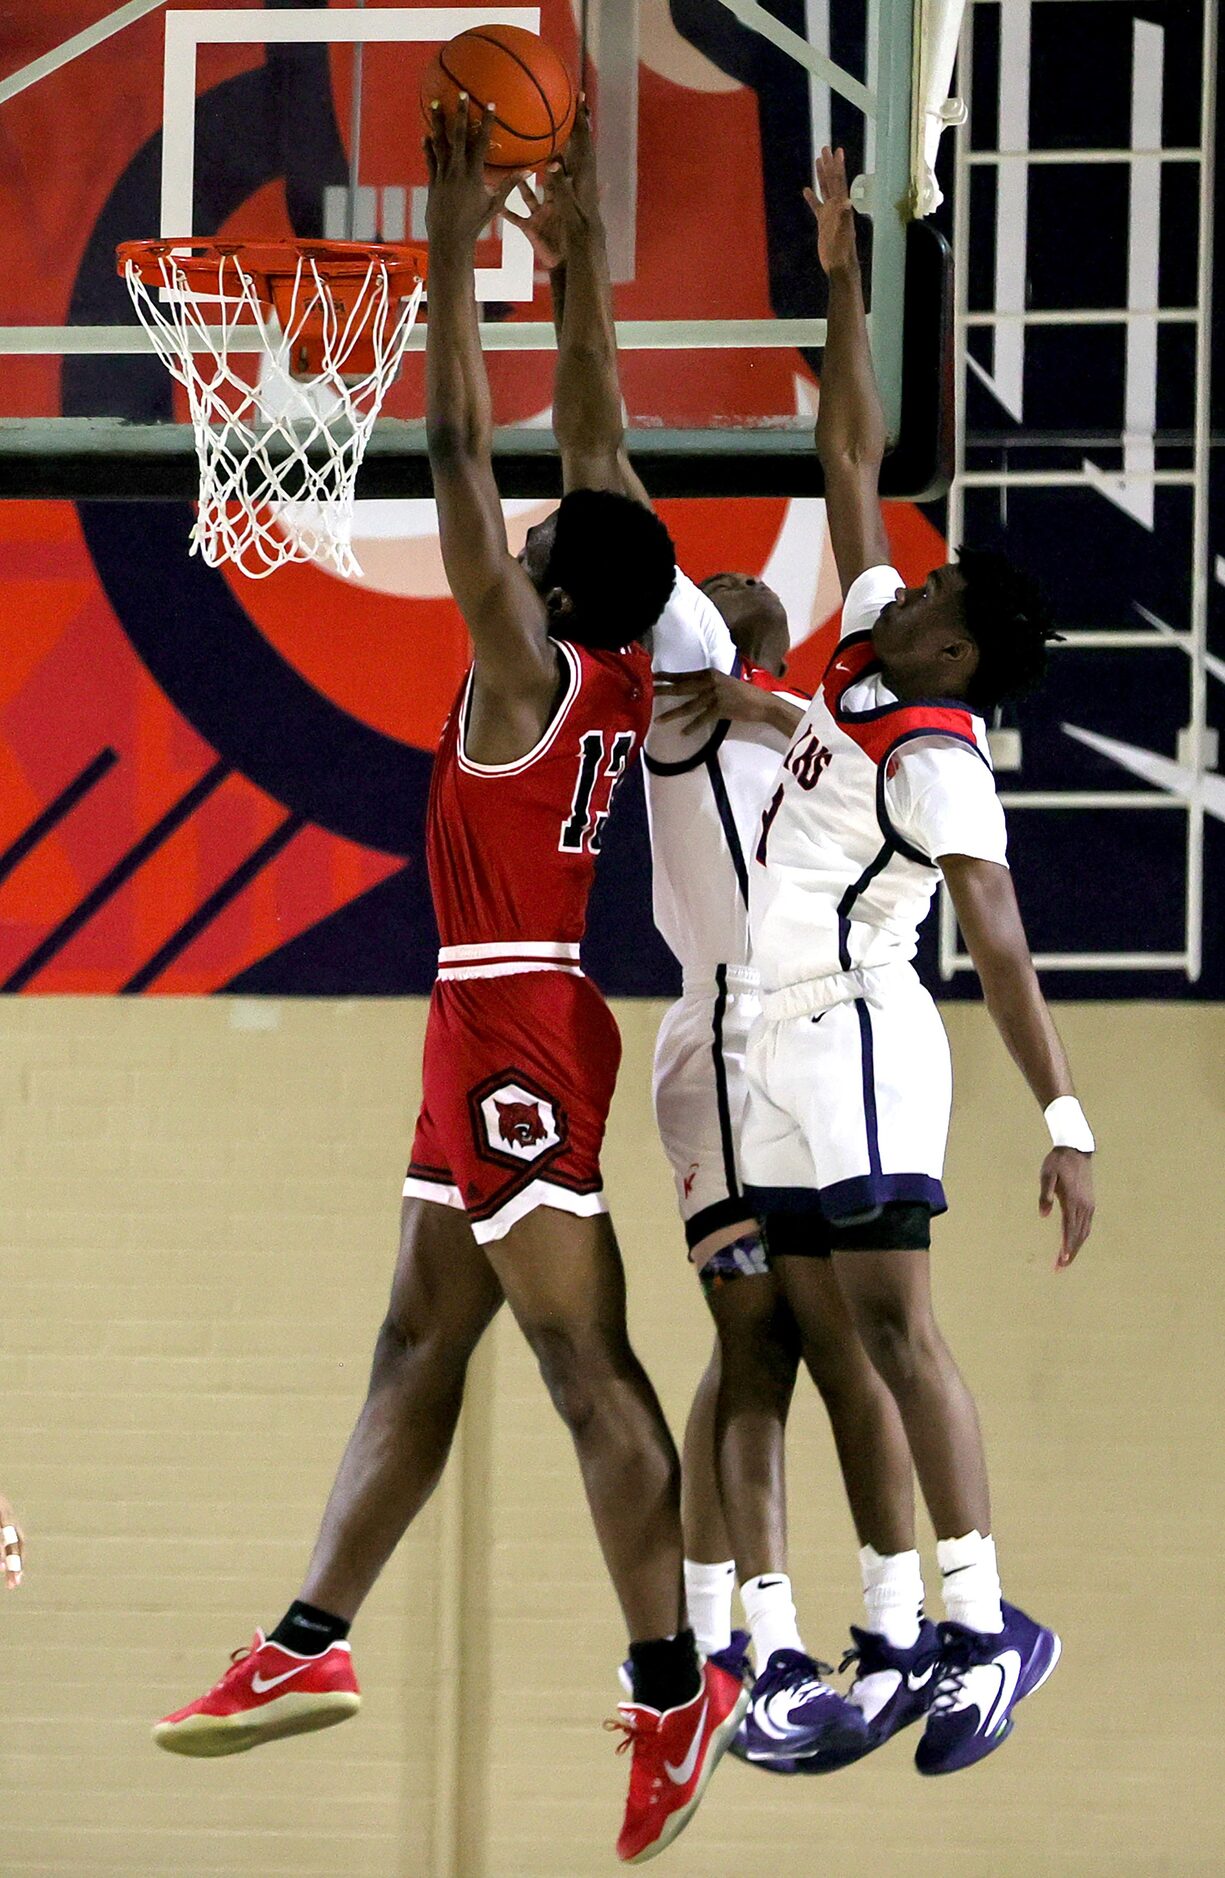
267 1692
674 1756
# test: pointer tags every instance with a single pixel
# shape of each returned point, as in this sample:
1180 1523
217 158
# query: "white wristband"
1066 1122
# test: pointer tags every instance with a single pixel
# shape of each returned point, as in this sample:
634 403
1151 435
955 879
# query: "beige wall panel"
1098 1390
198 1227
197 1235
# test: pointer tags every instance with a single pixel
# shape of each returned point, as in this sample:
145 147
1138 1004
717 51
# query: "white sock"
971 1583
770 1614
892 1595
708 1597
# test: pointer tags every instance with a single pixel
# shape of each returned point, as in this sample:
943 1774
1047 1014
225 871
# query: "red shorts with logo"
517 1081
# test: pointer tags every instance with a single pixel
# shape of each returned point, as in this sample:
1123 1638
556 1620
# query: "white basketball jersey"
704 793
871 793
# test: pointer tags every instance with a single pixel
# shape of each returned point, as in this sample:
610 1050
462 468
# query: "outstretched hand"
706 698
1067 1176
461 200
830 203
568 205
544 223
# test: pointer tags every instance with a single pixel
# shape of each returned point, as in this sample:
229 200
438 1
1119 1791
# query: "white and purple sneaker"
892 1689
979 1680
794 1713
735 1659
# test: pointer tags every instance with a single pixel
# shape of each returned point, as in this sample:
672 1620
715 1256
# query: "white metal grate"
1131 487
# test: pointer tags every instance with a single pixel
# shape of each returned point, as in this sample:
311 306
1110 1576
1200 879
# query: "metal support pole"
1200 513
73 48
355 137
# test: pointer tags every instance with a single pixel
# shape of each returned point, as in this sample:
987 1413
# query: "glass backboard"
280 121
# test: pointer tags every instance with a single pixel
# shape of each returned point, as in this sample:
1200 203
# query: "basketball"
521 75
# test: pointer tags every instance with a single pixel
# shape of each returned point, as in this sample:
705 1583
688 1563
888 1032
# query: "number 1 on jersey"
597 763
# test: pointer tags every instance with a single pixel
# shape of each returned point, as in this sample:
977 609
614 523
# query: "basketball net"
293 442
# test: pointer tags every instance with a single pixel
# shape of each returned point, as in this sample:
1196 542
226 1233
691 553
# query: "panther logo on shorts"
514 1120
519 1123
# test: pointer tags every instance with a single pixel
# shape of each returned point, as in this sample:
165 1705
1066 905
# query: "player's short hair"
1009 621
615 559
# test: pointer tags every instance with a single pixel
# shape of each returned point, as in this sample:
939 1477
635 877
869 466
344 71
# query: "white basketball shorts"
848 1108
700 1094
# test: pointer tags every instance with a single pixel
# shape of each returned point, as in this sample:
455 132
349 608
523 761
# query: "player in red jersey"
503 1197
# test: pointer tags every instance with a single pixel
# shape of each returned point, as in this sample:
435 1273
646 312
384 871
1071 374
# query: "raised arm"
567 231
851 434
990 920
515 659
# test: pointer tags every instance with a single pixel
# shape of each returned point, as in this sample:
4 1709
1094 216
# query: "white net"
278 458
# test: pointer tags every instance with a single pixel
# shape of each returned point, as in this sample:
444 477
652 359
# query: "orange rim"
272 263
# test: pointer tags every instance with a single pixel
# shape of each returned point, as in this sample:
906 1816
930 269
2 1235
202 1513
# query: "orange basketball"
522 76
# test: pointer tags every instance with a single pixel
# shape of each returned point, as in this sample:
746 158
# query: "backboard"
278 121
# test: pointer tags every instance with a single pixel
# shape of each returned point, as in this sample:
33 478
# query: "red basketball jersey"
512 847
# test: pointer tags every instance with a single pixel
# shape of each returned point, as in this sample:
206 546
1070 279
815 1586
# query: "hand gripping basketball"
535 95
461 201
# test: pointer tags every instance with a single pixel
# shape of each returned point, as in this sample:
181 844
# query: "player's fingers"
431 160
11 1549
481 130
693 711
1046 1190
1069 1245
497 205
813 200
692 714
435 137
681 681
440 136
457 134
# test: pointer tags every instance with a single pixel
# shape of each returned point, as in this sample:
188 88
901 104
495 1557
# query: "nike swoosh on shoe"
261 1684
682 1775
1009 1665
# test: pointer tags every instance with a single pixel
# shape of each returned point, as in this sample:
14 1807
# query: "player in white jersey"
710 762
887 785
717 752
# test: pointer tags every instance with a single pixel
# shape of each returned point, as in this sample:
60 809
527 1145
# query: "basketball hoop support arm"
755 17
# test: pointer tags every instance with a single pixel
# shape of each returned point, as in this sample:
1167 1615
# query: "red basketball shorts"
517 1080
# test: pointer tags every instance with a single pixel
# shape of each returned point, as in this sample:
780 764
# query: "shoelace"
956 1662
631 1731
853 1655
237 1658
950 1686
